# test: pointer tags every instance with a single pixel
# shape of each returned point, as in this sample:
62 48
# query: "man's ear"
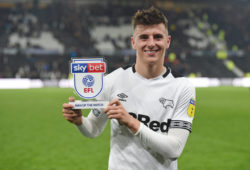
168 41
133 43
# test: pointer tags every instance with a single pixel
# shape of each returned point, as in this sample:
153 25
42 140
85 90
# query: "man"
151 112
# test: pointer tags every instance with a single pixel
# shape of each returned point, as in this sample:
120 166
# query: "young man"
151 112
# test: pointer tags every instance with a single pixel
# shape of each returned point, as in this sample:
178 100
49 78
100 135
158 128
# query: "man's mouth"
151 52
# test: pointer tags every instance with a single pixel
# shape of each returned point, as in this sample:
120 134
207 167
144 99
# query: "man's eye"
143 37
158 36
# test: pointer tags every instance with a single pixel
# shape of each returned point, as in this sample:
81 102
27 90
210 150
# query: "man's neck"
149 71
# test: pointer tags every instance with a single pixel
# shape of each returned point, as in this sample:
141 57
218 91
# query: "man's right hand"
70 114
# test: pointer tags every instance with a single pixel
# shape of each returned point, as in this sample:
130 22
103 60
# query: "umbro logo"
166 103
122 97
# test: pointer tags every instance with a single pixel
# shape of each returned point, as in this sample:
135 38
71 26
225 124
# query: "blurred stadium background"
210 44
38 38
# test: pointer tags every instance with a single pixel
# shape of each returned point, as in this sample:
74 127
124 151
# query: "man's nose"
151 42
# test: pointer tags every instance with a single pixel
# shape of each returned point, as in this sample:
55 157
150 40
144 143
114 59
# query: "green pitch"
35 136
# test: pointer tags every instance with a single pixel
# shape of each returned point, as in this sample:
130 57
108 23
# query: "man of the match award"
88 82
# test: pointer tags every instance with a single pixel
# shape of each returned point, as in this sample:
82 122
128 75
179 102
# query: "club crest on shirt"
191 108
166 103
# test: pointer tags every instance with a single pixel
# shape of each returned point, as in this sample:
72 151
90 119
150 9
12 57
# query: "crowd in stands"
39 41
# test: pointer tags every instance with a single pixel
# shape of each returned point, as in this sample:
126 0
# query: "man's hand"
73 116
115 110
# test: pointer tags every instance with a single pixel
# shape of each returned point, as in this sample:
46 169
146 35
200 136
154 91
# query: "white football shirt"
160 103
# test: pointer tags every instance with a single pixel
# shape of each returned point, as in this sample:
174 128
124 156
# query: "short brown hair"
149 16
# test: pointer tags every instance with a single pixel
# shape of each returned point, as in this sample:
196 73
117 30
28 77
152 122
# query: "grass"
35 136
220 138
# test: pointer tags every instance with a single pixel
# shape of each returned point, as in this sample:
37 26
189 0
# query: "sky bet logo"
87 67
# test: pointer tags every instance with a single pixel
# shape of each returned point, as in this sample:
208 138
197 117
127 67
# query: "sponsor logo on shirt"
191 108
154 124
162 126
122 97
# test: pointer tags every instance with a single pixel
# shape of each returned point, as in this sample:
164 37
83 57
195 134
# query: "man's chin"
152 59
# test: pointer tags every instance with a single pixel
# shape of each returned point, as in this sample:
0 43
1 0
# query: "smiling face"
150 43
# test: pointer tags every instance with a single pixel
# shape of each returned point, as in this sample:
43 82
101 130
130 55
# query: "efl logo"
88 90
88 81
88 68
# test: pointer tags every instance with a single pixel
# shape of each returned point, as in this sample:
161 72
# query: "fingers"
71 117
113 105
67 106
67 111
115 116
113 113
108 108
71 99
115 102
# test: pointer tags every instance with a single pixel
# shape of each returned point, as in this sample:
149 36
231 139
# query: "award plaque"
88 82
